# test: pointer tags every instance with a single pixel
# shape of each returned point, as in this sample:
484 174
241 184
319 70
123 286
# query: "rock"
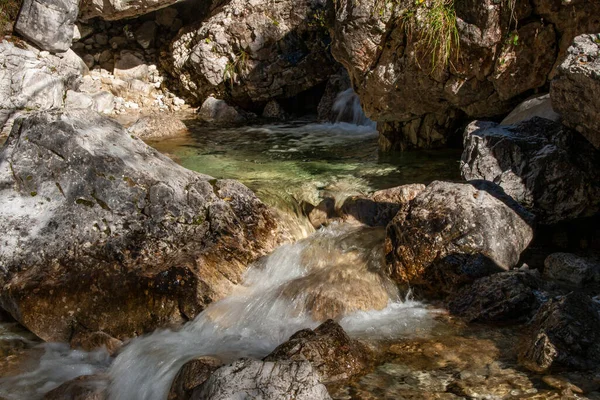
117 41
336 84
273 110
544 166
381 207
193 374
489 56
333 355
81 31
539 106
564 334
75 100
219 112
320 214
118 9
101 39
506 296
280 380
49 24
131 241
571 269
280 51
96 340
574 91
454 233
87 387
128 66
146 34
166 17
157 126
89 61
104 102
30 82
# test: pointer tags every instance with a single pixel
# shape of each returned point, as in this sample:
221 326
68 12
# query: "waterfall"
347 108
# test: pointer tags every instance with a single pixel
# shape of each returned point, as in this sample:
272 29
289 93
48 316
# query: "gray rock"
78 100
543 165
129 66
157 126
539 106
571 269
119 9
219 112
104 102
48 23
454 233
124 239
250 379
145 35
575 90
166 17
564 334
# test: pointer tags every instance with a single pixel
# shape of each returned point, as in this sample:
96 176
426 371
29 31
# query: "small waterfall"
347 108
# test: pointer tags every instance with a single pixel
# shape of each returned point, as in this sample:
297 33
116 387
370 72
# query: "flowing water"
335 272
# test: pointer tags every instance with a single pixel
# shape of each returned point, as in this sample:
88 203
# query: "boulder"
103 233
574 91
564 334
273 110
454 233
279 51
119 9
279 380
193 374
31 80
49 24
128 66
219 112
571 269
157 126
539 106
506 296
543 165
485 58
333 355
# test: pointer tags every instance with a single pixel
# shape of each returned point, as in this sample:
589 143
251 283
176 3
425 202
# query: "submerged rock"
250 379
87 387
454 233
564 334
546 167
104 234
575 90
219 112
328 348
506 296
193 374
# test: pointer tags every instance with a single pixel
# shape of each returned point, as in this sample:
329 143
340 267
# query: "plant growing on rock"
236 67
9 10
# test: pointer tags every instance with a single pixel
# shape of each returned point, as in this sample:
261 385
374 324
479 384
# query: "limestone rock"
280 380
193 374
155 126
219 112
571 269
574 91
539 106
506 296
119 9
279 51
128 66
454 233
103 233
48 23
328 348
544 166
565 333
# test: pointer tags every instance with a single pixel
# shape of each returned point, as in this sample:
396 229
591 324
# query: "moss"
29 177
85 202
33 194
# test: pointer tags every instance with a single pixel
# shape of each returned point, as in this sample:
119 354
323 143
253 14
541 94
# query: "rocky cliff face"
419 69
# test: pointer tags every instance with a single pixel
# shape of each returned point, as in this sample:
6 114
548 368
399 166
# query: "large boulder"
564 334
104 234
575 90
31 80
331 352
48 23
279 51
266 380
454 233
421 67
546 167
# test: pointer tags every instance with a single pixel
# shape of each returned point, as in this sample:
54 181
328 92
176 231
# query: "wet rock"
506 296
564 334
382 206
453 233
219 112
280 51
571 269
539 106
273 110
48 23
574 91
131 240
328 348
90 387
157 126
265 380
546 167
193 374
320 214
94 341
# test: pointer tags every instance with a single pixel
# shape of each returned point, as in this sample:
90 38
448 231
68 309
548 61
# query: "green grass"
237 67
